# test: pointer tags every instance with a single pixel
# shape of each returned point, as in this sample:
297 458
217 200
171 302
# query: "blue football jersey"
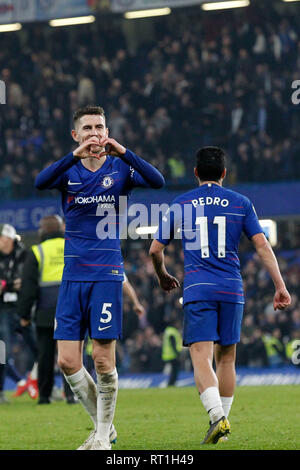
210 220
90 202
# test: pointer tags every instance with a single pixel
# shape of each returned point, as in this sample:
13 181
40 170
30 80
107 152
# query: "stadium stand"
214 81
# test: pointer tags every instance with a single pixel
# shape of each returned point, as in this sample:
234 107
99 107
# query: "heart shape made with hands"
95 148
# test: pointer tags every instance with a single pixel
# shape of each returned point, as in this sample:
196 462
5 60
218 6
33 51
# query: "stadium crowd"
190 83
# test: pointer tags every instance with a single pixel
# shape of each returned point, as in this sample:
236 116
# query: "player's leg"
70 328
230 321
202 355
207 386
225 371
79 380
199 332
206 379
107 387
105 329
69 356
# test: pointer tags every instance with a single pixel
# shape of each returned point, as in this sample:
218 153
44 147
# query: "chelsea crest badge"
107 182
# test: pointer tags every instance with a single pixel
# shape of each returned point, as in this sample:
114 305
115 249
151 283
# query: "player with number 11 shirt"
211 220
91 179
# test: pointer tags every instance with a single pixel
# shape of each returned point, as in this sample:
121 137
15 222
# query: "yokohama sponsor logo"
94 199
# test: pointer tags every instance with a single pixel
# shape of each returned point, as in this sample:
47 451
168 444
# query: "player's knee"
227 354
62 364
68 364
226 360
103 363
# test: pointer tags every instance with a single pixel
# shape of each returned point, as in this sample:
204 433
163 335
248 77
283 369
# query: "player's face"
90 126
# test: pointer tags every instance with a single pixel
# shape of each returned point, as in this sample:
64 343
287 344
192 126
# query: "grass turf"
262 418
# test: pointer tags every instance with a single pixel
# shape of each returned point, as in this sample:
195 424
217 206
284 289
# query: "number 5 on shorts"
106 312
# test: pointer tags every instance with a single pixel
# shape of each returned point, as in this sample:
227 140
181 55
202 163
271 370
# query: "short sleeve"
251 222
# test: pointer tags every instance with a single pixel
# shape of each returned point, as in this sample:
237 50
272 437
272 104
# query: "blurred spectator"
12 258
274 348
171 349
256 350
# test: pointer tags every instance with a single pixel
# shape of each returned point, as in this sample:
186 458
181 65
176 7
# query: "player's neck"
93 164
219 183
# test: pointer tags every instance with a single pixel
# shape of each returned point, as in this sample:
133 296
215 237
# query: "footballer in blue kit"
91 180
216 217
210 220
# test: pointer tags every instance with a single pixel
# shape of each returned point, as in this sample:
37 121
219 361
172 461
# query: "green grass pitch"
262 418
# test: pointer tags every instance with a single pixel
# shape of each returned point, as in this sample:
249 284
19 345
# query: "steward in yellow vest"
41 279
171 349
172 343
43 273
274 348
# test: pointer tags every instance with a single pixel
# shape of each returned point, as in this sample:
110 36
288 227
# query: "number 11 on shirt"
204 244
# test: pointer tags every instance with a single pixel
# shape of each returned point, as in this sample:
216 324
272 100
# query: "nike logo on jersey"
72 182
104 328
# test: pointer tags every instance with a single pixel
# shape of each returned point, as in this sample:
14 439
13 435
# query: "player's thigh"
200 322
104 355
69 356
230 322
105 307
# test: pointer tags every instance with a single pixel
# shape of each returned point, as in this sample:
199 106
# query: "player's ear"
74 135
196 173
224 173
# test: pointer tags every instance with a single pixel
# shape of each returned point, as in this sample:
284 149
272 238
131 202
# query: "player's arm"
166 281
264 250
130 292
50 177
151 177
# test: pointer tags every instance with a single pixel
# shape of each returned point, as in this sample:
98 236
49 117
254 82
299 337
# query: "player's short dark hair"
88 110
210 163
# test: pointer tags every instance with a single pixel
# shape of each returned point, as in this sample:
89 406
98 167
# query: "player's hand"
89 148
282 299
139 309
112 147
168 282
24 322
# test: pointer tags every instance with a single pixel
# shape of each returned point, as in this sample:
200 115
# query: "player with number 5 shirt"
91 179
